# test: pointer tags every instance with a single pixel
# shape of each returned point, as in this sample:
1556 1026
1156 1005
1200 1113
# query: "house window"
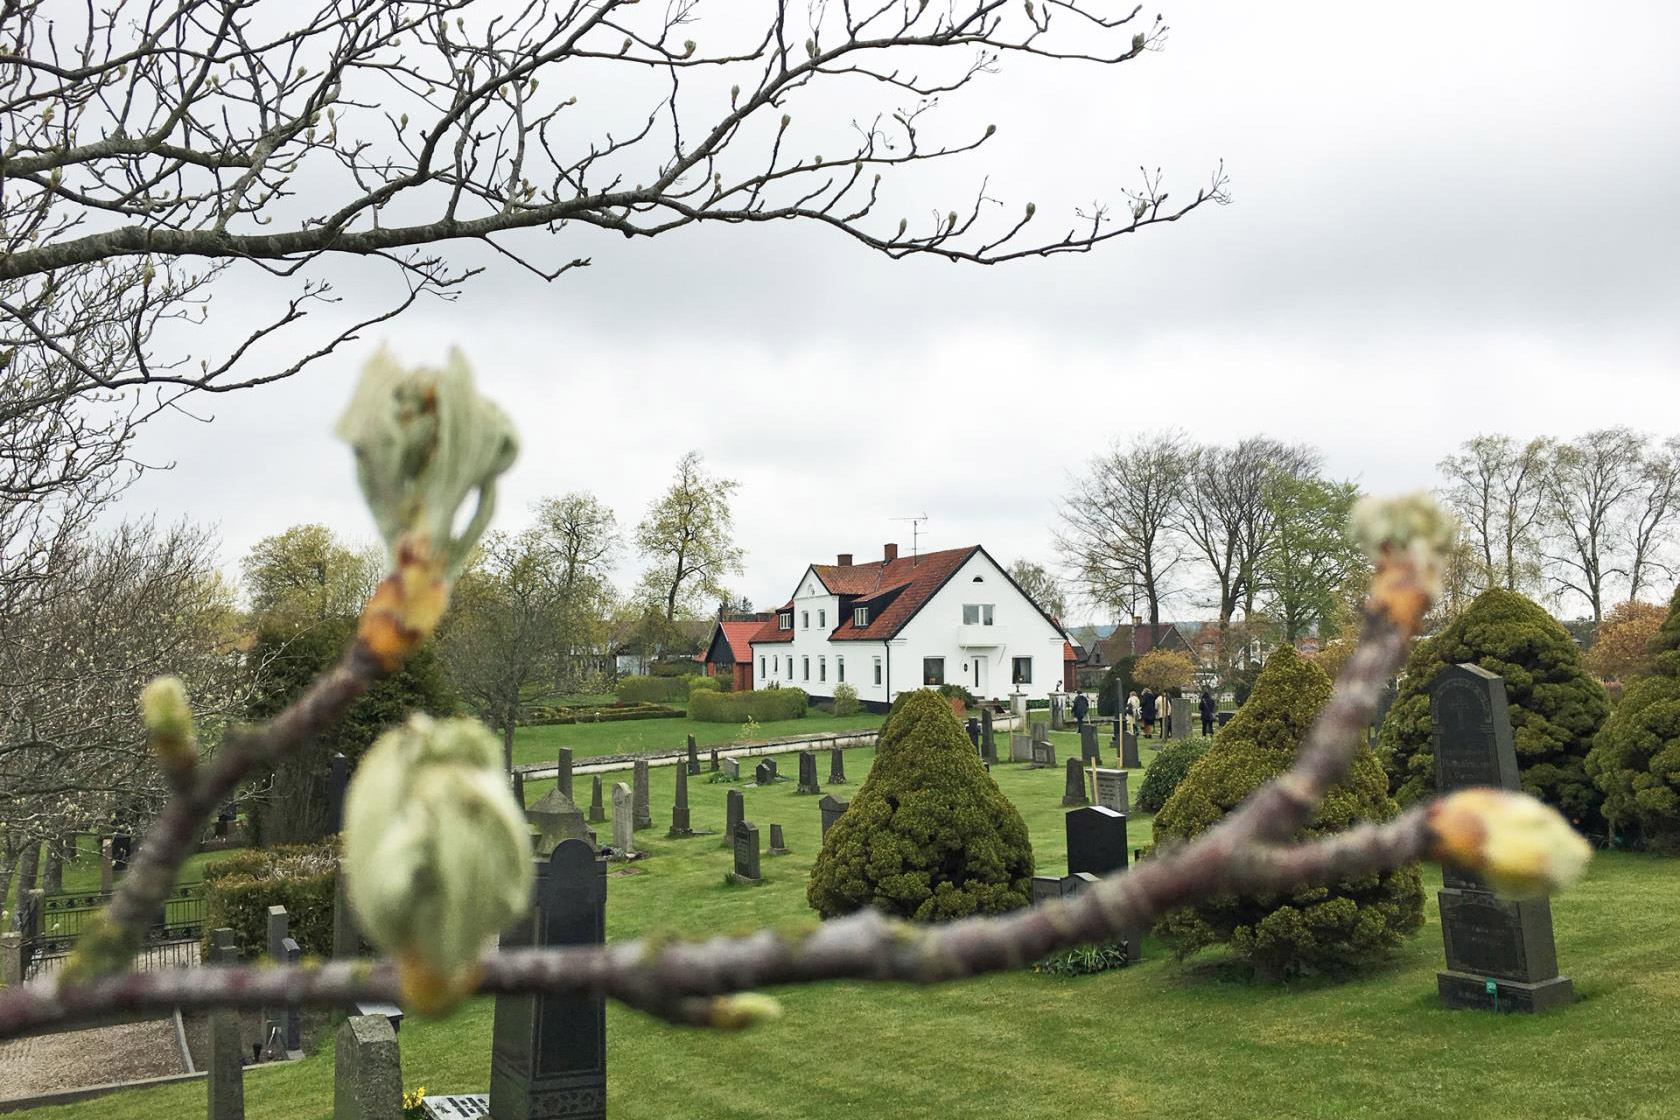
806 665
840 669
822 620
860 617
977 614
804 620
1021 670
822 668
877 671
790 668
785 622
761 671
933 671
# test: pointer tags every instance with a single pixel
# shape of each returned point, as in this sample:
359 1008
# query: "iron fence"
52 924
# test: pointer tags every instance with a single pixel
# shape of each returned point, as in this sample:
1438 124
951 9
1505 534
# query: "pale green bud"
425 441
437 855
991 128
1522 848
169 723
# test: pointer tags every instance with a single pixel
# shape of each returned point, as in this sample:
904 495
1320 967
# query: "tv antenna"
915 534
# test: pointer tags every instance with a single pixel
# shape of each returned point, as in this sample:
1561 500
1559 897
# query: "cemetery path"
97 1056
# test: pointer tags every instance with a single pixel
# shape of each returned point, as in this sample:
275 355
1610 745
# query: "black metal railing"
52 924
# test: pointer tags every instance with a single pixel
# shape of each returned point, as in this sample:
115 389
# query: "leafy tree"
1335 929
688 539
581 538
1635 760
306 574
1305 574
929 835
1622 647
1556 706
1041 587
1164 670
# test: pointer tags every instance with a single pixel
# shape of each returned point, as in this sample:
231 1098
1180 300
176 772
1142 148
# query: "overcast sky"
1446 219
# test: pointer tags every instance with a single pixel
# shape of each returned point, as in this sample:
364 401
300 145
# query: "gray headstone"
226 1075
1074 794
693 756
367 1076
555 818
765 772
276 932
1110 791
623 822
808 774
563 772
464 1106
1119 730
732 769
832 809
778 845
735 811
1089 750
597 811
679 811
1045 888
988 740
519 788
639 778
292 1022
1043 755
1040 730
11 959
1058 711
714 760
836 767
1500 954
1020 748
549 1052
745 842
1129 758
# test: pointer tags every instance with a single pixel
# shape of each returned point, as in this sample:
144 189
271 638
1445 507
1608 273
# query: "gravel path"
97 1056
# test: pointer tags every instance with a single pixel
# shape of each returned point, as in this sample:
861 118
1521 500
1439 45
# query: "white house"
911 622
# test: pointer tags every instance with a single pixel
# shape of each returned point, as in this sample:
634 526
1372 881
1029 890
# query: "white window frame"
805 664
822 668
839 669
933 684
784 620
983 613
822 619
860 617
804 620
877 672
1014 670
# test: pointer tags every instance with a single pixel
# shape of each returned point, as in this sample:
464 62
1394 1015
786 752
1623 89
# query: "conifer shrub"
1635 759
1167 771
1556 705
1334 930
929 836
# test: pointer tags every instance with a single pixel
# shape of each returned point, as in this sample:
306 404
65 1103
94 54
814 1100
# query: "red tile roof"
739 635
912 579
770 631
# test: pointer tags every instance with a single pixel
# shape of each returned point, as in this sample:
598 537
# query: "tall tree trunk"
52 879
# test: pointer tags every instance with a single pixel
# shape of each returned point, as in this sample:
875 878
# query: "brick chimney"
844 560
890 553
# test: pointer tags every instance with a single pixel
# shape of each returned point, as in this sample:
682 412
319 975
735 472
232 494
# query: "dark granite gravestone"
808 774
227 1050
292 1024
1089 750
597 811
745 842
679 812
735 811
836 767
1020 748
1043 755
765 773
732 769
641 805
988 740
519 788
1500 953
1109 789
1074 794
563 772
832 808
367 1072
1119 730
549 1053
972 727
694 756
1182 717
1129 758
1222 718
714 760
778 845
1096 840
122 848
277 933
338 780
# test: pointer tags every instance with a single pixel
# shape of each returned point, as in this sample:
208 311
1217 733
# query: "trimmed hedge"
704 684
239 890
1167 771
654 690
1635 760
1342 928
763 705
929 835
616 713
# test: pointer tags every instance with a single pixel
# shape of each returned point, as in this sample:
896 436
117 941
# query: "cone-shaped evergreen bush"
1327 930
1635 761
929 835
1556 705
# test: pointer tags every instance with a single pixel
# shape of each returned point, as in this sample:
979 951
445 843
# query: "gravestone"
277 1020
988 739
292 1035
1500 953
836 767
226 1075
714 760
549 1052
563 772
11 954
694 756
734 812
1020 748
1043 755
1129 759
597 812
1058 711
1039 729
765 774
807 774
732 769
972 727
1089 750
338 780
624 824
1119 730
643 812
1045 888
1222 718
832 809
1074 794
367 1075
679 811
1096 840
519 788
745 839
1109 789
464 1106
778 845
555 818
107 867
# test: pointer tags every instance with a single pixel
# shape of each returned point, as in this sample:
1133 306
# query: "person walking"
1148 714
1134 712
1206 705
1081 705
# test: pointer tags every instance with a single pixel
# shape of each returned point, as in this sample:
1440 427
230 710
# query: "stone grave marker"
734 812
1129 758
367 1075
276 1020
1181 717
679 811
1058 710
122 847
765 773
1040 729
807 775
732 769
1020 748
1089 749
1045 888
745 839
1074 794
836 767
346 937
107 867
1043 755
1096 840
624 825
832 808
597 812
988 737
226 1075
1108 789
643 812
715 760
290 953
556 818
694 756
778 845
972 727
1501 955
1119 730
11 959
464 1106
549 1052
563 772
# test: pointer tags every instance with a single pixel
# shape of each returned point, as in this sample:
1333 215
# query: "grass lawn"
1160 1039
82 874
591 740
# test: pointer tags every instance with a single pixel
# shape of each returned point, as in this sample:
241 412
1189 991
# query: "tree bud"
169 724
1522 848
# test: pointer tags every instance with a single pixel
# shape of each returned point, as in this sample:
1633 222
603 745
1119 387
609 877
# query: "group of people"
1150 711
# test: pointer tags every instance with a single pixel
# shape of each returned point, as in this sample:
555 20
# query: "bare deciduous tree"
1496 487
1650 529
1589 483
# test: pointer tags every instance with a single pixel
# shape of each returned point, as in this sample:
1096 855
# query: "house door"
979 686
